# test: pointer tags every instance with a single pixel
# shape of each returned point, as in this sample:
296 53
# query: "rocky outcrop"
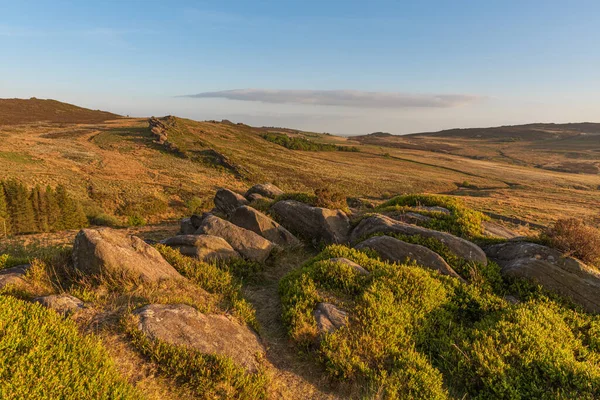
182 325
202 247
186 227
319 224
64 304
109 252
349 263
255 197
14 276
381 224
257 222
226 201
549 268
265 189
329 318
394 250
249 244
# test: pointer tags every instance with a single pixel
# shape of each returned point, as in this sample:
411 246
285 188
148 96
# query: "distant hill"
23 111
538 131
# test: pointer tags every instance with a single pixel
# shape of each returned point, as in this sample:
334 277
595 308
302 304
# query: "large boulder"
14 276
226 201
381 224
319 224
182 325
549 268
264 189
394 250
202 247
249 244
106 251
329 318
186 227
64 304
257 222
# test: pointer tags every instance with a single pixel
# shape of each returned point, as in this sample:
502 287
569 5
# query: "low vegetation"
462 221
299 143
323 197
413 333
575 238
45 357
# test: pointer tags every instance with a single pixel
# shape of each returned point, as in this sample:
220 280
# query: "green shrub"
413 333
136 220
298 143
462 220
104 219
215 280
44 357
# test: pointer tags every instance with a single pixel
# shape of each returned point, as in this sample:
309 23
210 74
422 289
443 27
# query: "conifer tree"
19 207
71 211
52 210
4 218
38 200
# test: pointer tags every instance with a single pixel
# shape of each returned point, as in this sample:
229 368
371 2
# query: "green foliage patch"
462 220
298 143
44 357
413 333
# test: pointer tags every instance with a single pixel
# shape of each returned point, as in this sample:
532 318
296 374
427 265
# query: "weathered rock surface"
226 201
106 251
329 318
186 227
351 264
331 226
255 197
496 230
64 304
14 276
249 244
549 268
257 222
182 325
381 224
265 189
202 247
394 250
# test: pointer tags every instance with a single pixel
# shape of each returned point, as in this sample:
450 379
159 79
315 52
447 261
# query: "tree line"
298 143
24 210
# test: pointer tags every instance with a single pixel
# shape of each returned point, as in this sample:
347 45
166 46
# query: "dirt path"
296 376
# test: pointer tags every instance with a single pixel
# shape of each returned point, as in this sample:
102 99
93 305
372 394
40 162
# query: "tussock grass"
413 333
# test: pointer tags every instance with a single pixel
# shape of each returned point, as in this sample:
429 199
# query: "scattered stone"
264 189
182 325
202 247
226 201
64 304
249 244
14 276
496 230
105 251
329 318
255 197
394 250
257 222
381 224
549 268
350 263
319 224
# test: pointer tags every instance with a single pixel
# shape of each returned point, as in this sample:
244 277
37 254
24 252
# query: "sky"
344 67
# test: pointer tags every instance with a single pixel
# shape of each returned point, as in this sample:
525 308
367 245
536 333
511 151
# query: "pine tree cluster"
24 210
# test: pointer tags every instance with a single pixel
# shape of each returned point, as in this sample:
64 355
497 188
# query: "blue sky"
347 67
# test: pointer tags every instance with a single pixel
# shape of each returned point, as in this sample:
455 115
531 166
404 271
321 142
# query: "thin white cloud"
344 98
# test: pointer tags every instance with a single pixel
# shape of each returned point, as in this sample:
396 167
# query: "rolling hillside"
21 111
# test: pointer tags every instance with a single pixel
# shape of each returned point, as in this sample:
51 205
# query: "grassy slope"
119 161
